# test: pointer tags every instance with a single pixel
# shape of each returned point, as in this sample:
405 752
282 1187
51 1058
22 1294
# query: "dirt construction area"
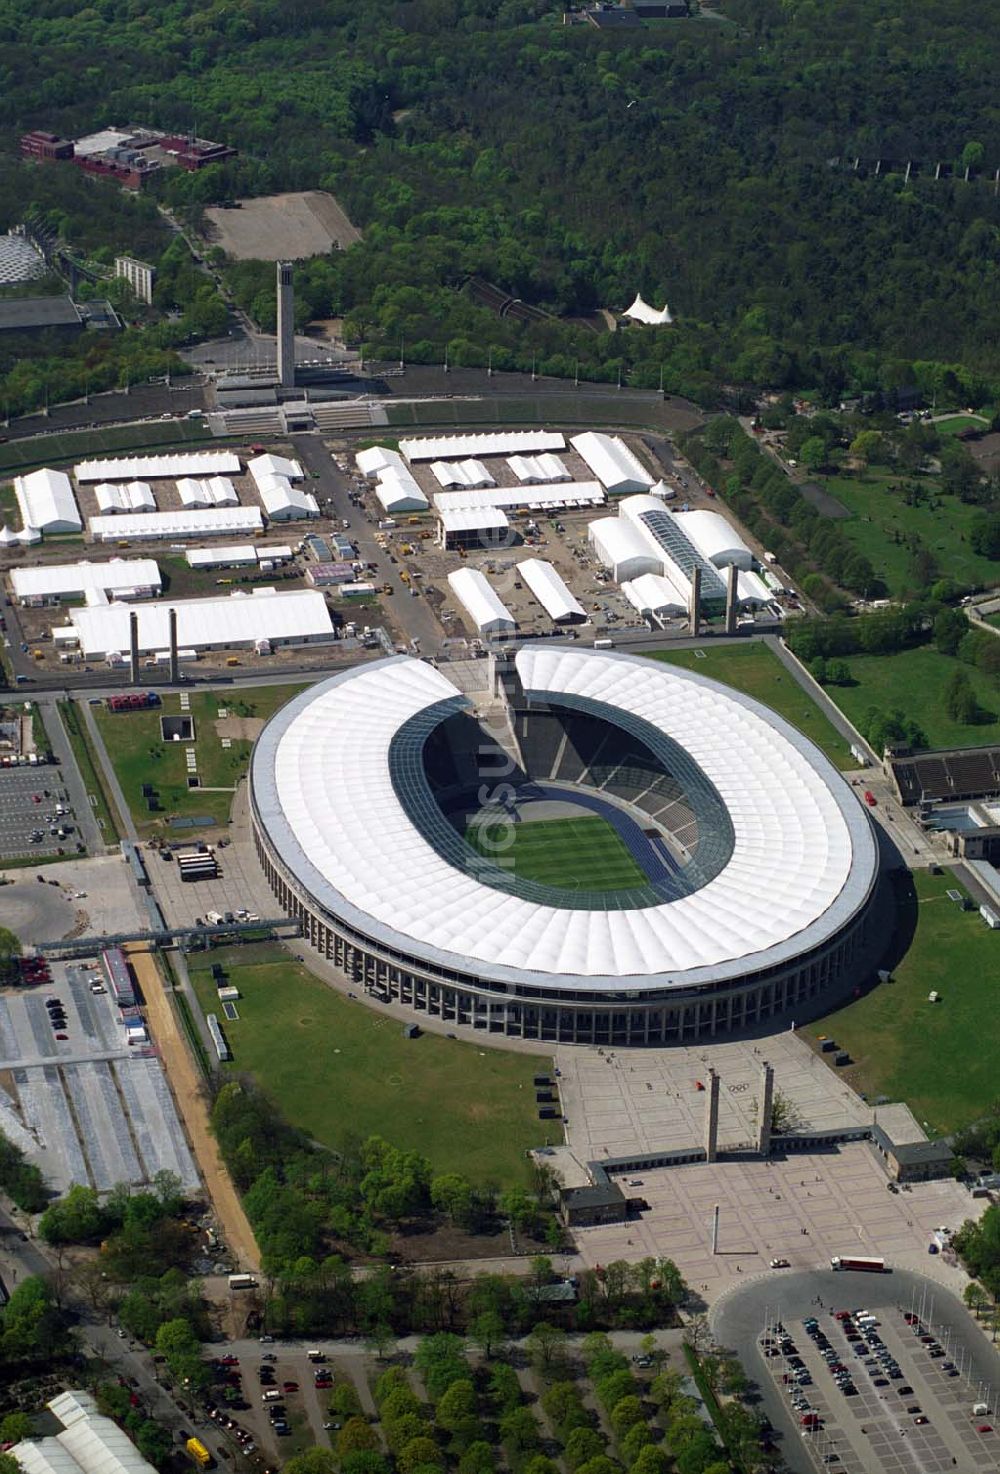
188 1093
281 227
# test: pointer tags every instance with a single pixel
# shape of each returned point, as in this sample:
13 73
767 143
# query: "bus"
872 1266
199 1453
242 1282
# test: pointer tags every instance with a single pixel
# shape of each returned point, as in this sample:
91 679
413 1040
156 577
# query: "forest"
706 162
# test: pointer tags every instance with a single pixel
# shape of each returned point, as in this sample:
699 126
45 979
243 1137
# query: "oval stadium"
576 845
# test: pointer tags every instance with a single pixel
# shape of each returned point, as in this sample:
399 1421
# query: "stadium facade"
756 867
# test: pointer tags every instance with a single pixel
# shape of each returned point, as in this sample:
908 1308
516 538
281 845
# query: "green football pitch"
574 854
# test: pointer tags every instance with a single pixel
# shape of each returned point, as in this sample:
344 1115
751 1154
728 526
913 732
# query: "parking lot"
879 1390
30 817
82 1104
297 1392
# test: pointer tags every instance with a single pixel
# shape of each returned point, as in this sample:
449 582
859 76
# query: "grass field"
573 854
755 670
881 521
955 424
339 1069
49 450
938 1057
915 681
134 745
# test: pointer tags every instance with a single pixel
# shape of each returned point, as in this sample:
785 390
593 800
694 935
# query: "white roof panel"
154 468
399 491
231 619
801 864
473 519
46 501
536 470
481 601
467 474
655 593
585 493
281 500
714 537
378 458
614 465
550 590
490 443
618 542
205 522
751 589
50 580
270 465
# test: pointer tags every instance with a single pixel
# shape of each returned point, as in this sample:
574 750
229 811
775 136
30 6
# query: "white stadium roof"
465 475
46 501
611 461
715 538
481 602
498 443
539 469
208 522
550 590
801 864
65 580
155 468
285 617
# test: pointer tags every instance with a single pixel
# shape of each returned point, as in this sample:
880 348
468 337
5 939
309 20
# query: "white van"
273 1396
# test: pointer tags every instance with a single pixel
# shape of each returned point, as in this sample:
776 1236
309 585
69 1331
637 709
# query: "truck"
242 1282
199 1453
990 917
871 1265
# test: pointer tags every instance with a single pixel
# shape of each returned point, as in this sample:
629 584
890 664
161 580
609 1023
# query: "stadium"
590 848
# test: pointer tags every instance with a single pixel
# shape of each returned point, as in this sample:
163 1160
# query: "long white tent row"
616 467
46 502
158 468
209 522
530 498
481 602
207 491
539 469
549 588
238 555
263 617
461 475
127 496
125 578
491 443
88 1443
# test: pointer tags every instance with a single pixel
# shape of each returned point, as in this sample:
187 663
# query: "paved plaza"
806 1209
84 897
624 1102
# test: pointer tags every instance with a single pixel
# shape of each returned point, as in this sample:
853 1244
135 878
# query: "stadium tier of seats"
948 775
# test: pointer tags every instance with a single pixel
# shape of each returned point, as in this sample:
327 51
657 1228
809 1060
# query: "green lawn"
755 670
915 681
72 445
340 1069
573 854
940 1058
90 772
139 756
881 521
955 424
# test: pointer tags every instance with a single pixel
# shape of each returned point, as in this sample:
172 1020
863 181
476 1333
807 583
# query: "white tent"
129 496
122 577
751 589
622 548
210 522
284 502
641 311
285 617
551 591
468 475
398 491
653 594
271 465
488 443
378 458
715 538
157 468
540 469
474 591
614 465
46 501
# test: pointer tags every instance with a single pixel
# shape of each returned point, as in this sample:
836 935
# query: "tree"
356 1436
15 1427
486 1332
364 1462
814 454
651 1460
624 1415
418 1454
950 628
478 1458
9 1465
546 1345
959 698
867 447
74 1219
601 1465
153 1442
984 535
456 1404
636 1439
312 1461
452 1194
582 1445
10 951
177 1341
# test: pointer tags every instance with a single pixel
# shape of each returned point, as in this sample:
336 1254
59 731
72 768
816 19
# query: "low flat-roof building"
122 578
586 1207
231 555
41 315
237 620
472 527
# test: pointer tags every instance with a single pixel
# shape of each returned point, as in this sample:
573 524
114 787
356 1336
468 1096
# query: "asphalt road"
737 1319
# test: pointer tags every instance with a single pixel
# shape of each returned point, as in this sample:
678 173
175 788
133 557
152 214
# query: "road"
332 486
90 831
108 772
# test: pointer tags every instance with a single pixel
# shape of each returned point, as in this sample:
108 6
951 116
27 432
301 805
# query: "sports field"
751 667
938 1057
341 1069
573 854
